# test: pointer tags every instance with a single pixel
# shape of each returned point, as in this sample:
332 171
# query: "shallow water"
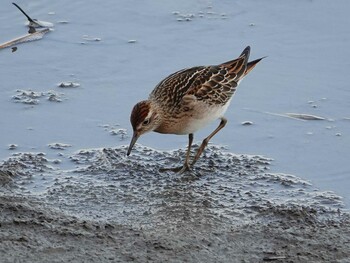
119 52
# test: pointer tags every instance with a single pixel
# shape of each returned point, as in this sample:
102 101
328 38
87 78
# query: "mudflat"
113 209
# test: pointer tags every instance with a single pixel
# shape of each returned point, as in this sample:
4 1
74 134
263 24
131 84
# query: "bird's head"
144 118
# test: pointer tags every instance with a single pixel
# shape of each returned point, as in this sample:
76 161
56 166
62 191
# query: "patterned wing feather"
221 81
173 88
212 84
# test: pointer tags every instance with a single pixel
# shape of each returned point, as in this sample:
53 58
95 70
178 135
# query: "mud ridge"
108 207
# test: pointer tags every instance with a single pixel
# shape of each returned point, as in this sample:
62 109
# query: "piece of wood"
26 38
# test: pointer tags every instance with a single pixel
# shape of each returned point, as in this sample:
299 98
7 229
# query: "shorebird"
188 100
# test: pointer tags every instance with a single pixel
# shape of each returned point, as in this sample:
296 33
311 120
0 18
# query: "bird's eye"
145 122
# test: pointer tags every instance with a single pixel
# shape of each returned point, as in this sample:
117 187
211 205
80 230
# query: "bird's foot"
186 167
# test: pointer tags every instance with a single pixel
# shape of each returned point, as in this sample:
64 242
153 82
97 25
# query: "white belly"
205 116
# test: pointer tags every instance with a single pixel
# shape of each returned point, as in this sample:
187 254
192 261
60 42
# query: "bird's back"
210 84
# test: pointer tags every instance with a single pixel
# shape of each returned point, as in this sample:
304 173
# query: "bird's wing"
173 88
217 84
212 84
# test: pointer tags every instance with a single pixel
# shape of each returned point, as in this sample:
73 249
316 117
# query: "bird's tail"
238 66
251 65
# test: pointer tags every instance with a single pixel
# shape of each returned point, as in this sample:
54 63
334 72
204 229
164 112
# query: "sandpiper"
188 100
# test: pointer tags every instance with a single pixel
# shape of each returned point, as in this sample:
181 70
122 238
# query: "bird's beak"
133 141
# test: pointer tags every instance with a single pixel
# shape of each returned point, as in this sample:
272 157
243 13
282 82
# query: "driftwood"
26 38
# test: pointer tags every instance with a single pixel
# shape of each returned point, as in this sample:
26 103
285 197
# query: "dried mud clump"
31 97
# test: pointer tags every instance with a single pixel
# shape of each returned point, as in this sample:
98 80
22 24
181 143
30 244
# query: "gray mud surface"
109 208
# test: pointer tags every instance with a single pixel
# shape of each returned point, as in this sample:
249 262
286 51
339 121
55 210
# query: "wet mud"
108 207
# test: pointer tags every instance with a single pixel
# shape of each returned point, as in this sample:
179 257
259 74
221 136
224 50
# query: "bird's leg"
206 140
186 166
